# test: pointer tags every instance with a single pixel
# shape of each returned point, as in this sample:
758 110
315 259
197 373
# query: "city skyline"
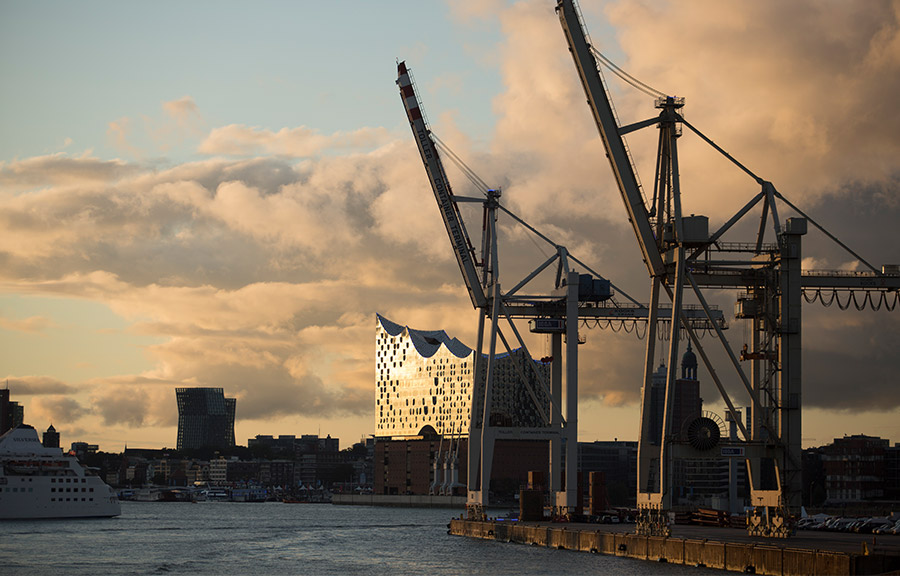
227 195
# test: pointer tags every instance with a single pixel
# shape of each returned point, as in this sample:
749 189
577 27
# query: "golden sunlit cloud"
260 269
301 142
30 325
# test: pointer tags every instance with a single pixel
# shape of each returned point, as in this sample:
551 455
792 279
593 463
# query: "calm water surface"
275 538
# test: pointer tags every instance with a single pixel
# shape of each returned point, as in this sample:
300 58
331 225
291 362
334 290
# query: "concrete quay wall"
731 556
400 501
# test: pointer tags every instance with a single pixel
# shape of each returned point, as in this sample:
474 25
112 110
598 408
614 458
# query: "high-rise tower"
11 413
51 438
205 418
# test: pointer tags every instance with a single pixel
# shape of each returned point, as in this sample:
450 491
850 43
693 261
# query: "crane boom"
456 230
557 315
773 285
609 133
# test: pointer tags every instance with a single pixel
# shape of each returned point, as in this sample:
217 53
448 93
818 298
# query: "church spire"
689 364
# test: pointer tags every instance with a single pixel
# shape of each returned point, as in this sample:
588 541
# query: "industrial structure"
685 262
682 258
555 312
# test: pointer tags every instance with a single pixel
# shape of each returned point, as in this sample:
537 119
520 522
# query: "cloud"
56 409
465 11
300 142
37 385
135 400
184 111
865 355
30 325
120 133
123 406
764 93
181 121
61 170
807 81
260 269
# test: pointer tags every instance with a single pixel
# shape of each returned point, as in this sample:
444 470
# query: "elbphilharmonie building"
426 380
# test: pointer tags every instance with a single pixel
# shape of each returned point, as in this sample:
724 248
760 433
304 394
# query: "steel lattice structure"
682 257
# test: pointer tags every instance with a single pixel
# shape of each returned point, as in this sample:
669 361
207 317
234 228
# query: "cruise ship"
41 482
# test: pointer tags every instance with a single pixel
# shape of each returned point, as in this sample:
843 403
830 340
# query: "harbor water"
277 538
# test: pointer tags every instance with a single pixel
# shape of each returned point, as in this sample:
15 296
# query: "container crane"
680 254
576 296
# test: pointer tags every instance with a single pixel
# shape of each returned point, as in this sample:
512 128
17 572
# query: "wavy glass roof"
426 342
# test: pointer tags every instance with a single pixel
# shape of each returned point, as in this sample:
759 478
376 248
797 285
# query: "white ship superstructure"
41 482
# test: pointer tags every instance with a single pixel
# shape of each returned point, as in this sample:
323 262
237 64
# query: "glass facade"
205 418
426 379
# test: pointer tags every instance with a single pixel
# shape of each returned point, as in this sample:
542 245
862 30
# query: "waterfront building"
892 473
277 473
218 471
12 414
716 482
205 418
50 438
145 453
137 474
197 472
5 416
406 466
311 443
283 443
315 460
617 460
83 449
813 492
243 472
425 391
706 482
854 468
686 402
424 380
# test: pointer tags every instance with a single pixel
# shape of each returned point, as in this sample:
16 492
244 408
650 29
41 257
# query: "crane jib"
424 142
441 191
440 185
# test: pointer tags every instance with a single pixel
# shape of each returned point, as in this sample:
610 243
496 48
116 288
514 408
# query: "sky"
225 194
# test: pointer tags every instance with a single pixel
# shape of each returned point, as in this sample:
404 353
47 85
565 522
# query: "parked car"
871 524
842 524
893 529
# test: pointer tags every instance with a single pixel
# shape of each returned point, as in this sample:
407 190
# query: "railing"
412 82
841 273
743 247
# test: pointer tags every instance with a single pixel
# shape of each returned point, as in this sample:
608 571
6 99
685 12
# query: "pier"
731 549
399 500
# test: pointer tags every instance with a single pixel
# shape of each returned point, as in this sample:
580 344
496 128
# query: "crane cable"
875 303
480 184
634 327
468 172
600 58
628 78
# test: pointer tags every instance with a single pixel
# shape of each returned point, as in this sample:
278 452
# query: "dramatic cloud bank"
260 268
